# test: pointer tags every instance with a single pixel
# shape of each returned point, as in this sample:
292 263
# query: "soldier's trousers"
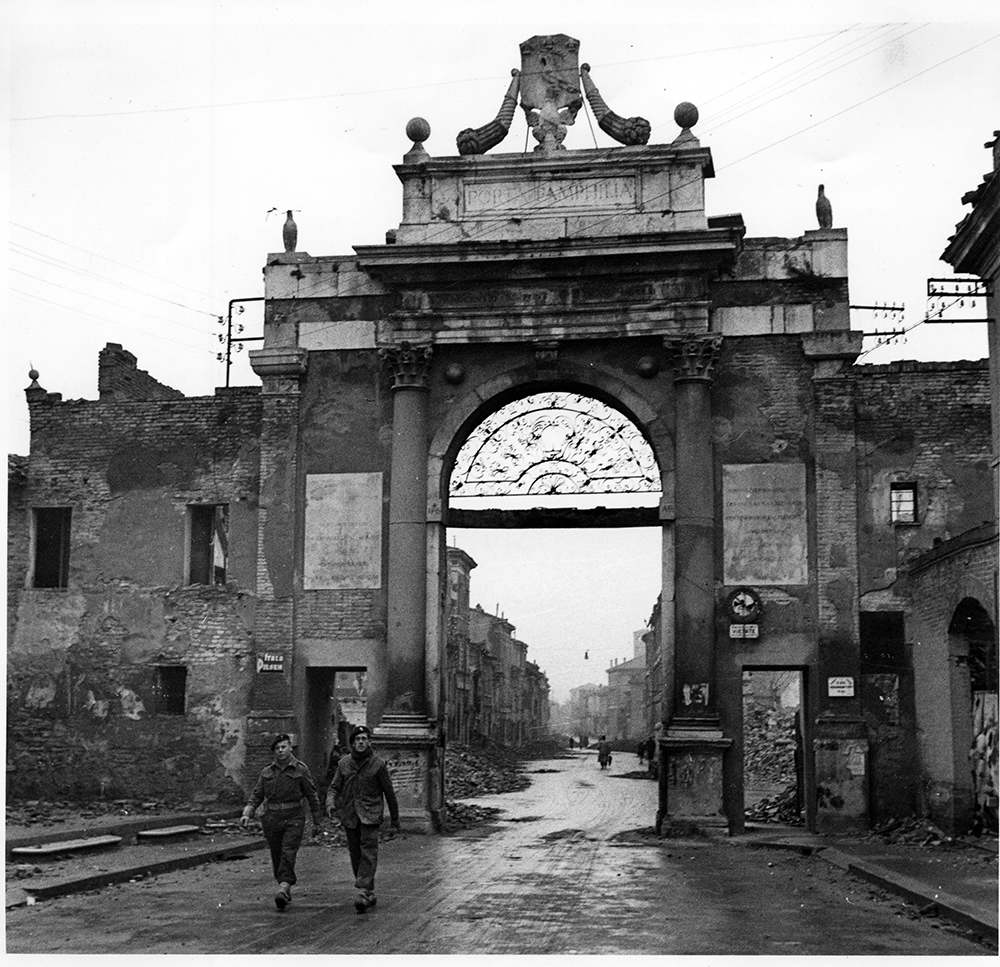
362 844
283 832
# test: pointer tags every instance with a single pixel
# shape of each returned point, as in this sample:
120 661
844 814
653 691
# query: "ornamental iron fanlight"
554 443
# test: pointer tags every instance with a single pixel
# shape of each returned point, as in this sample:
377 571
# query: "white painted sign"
343 533
270 661
744 631
840 687
765 524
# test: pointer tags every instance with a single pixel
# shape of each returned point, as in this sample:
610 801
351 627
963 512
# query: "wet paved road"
572 868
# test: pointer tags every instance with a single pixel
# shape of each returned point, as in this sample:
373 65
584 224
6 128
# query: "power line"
390 90
107 258
75 312
110 302
59 263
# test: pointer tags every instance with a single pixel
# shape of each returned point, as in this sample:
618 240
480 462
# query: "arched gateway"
590 272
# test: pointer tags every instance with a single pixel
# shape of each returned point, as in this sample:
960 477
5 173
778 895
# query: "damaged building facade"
188 576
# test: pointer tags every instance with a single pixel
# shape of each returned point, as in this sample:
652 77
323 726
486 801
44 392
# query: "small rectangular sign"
270 662
842 687
744 631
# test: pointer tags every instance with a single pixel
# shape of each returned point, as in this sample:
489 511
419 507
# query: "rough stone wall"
82 687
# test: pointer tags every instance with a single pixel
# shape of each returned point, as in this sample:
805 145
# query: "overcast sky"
149 140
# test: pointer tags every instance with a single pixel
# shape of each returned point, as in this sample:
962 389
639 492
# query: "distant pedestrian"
281 787
641 751
356 795
604 752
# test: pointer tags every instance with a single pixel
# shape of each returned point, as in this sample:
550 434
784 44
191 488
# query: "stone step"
66 846
167 832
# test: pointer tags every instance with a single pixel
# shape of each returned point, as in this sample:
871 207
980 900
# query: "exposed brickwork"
118 378
341 614
82 661
926 423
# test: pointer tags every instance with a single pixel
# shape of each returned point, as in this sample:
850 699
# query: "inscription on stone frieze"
343 532
765 524
543 197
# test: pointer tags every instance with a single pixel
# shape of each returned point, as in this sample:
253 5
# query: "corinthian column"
407 589
692 748
694 360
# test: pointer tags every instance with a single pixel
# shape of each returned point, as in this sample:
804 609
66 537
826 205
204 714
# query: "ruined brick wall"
17 533
927 423
933 589
84 687
119 378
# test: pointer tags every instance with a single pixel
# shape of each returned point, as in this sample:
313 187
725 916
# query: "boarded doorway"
773 780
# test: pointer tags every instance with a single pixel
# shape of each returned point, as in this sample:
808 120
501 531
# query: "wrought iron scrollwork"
555 443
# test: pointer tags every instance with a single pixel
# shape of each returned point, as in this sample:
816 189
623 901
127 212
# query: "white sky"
148 140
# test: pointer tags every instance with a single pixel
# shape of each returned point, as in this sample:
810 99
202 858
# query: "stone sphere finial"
686 115
32 374
417 129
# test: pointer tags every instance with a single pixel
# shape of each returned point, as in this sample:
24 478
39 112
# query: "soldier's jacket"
358 790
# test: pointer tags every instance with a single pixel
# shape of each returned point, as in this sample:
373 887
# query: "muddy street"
571 866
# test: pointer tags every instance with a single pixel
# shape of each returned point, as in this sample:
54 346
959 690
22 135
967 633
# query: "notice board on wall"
765 524
343 531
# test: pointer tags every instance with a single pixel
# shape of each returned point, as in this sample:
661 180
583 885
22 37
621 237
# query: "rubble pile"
769 743
911 830
467 815
782 808
482 771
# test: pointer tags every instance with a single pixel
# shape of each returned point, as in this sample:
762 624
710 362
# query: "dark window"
171 681
209 525
883 648
50 568
903 503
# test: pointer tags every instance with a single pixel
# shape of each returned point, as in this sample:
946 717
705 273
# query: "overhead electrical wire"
107 280
389 90
110 302
75 312
107 258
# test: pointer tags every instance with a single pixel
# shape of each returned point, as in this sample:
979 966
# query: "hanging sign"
744 631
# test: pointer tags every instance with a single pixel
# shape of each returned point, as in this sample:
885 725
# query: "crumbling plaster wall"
82 697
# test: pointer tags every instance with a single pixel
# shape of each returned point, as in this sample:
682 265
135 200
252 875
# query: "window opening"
50 567
903 503
209 529
171 683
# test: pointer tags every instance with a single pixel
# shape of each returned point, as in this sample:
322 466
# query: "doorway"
773 746
336 701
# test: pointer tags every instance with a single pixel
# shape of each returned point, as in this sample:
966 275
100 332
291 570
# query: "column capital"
408 365
694 357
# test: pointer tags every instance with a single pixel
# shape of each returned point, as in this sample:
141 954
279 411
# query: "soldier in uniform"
282 787
360 785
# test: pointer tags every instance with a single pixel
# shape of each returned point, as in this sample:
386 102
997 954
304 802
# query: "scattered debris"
782 808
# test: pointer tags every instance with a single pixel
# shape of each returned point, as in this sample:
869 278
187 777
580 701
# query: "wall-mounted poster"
765 524
343 539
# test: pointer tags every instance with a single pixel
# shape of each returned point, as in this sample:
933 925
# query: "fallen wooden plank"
66 846
166 832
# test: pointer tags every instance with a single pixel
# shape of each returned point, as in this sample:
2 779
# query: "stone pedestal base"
408 745
691 776
841 751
